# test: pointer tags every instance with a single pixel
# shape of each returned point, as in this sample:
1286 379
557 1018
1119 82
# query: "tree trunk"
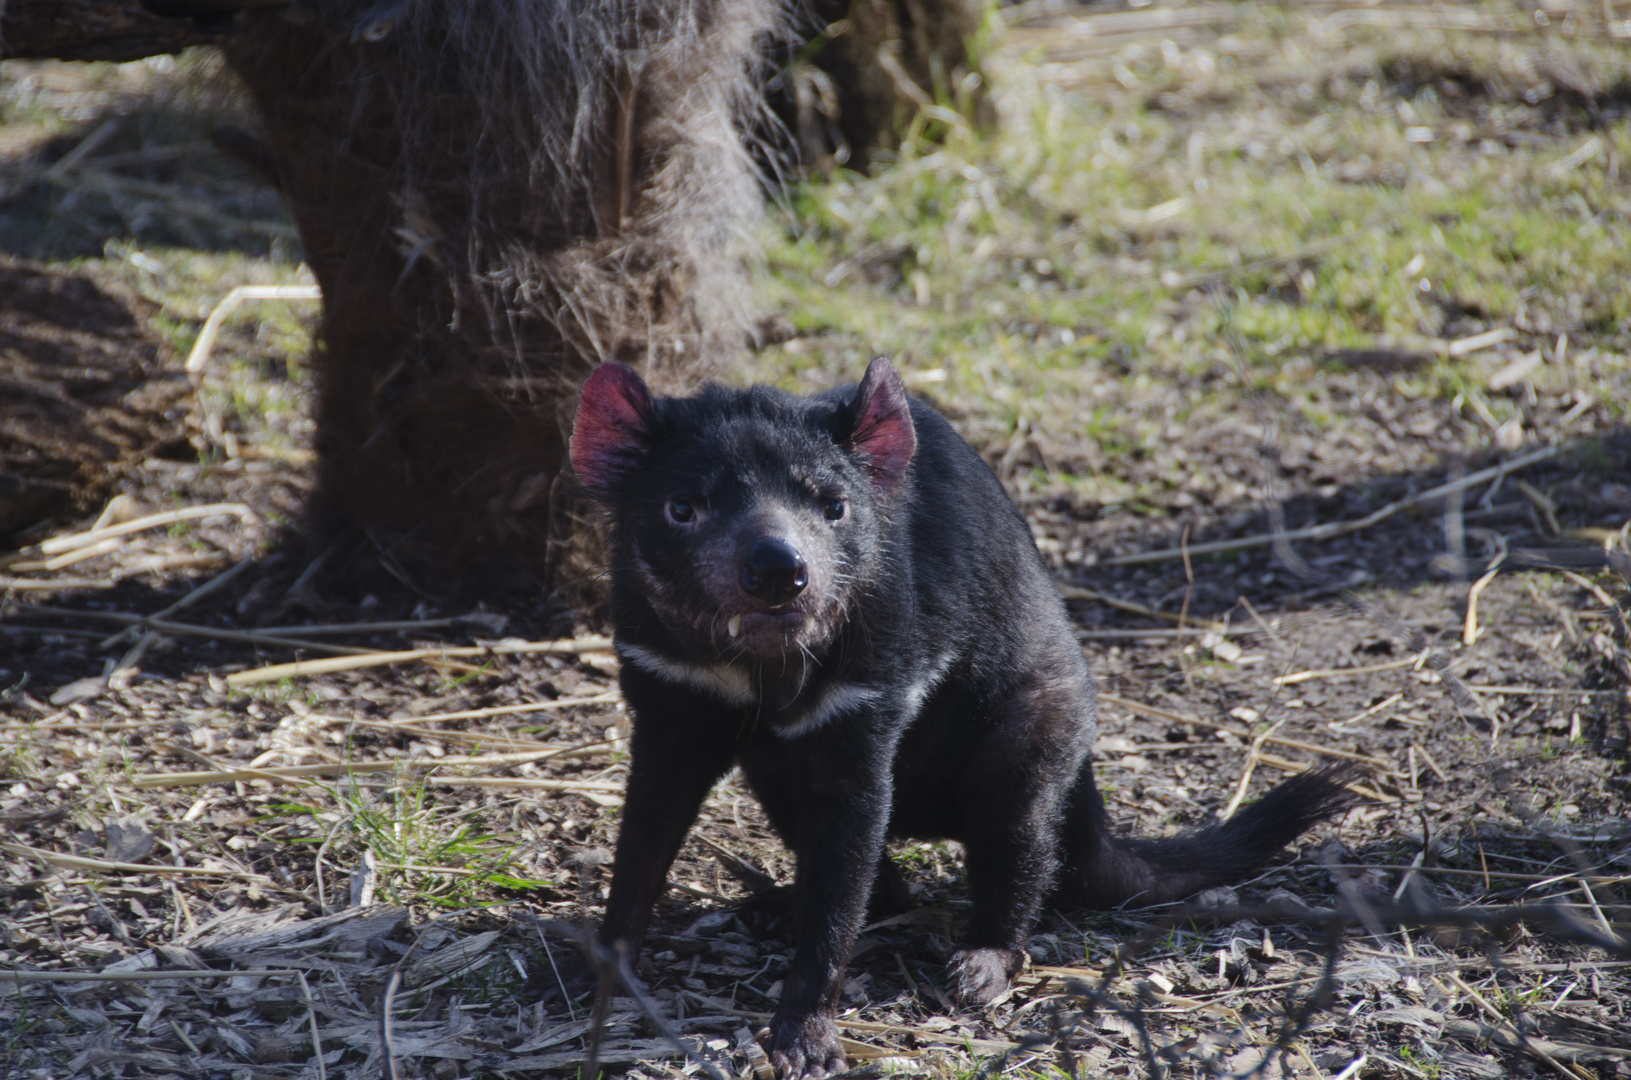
103 29
495 196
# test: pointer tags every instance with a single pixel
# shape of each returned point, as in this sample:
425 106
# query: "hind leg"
1097 873
890 894
1012 792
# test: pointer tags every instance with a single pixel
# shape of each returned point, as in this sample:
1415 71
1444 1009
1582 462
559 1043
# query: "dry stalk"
1250 766
1342 528
1290 744
299 772
74 541
1076 592
303 668
1342 673
1470 630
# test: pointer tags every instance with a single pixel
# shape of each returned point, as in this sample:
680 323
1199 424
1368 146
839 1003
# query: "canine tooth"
735 625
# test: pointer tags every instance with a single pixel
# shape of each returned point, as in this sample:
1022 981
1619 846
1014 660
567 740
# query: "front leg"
679 749
840 791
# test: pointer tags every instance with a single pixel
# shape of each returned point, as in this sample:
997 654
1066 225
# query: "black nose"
774 572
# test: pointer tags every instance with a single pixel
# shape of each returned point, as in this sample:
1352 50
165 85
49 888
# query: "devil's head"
749 519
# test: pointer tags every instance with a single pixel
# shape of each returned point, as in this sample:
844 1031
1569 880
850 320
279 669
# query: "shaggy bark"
107 29
495 198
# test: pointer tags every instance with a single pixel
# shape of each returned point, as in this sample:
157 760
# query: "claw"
981 975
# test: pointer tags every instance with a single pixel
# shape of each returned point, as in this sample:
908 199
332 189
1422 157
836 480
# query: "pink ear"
883 435
608 436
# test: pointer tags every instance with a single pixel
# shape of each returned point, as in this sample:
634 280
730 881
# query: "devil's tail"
1103 870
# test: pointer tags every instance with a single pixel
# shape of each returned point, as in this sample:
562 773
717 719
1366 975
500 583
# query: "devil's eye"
681 511
834 510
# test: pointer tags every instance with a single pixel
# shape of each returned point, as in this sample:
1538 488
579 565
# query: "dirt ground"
260 864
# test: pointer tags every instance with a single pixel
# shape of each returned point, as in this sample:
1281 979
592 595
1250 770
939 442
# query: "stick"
1533 690
311 1018
9 584
1469 630
587 787
329 768
473 738
1336 725
1076 592
191 630
505 710
361 627
75 541
188 600
1250 767
1190 721
1501 1024
1339 673
70 161
84 862
1342 528
1163 632
52 565
137 976
200 354
1542 879
302 668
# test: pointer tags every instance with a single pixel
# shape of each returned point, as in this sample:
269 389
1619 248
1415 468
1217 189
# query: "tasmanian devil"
834 593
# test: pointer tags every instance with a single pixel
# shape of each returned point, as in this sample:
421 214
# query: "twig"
17 975
604 793
207 588
1502 1024
1246 771
1164 632
1076 592
471 738
1469 630
333 768
1538 691
1190 721
1540 879
190 629
387 1036
1335 725
85 862
311 1018
59 562
74 541
322 629
87 146
1341 673
302 668
10 584
1342 528
200 354
507 710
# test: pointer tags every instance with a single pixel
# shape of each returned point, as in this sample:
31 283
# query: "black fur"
923 682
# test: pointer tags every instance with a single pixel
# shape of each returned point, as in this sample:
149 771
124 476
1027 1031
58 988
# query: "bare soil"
90 392
1495 801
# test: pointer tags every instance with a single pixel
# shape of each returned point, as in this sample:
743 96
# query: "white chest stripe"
834 701
721 680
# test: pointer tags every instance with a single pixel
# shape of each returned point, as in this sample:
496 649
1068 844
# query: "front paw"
804 1048
980 976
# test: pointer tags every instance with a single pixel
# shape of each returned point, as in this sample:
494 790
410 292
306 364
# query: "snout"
774 571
